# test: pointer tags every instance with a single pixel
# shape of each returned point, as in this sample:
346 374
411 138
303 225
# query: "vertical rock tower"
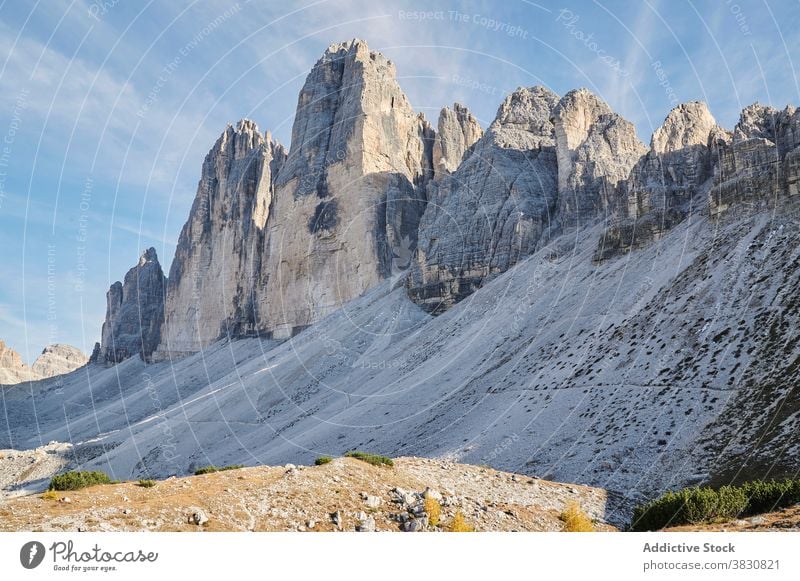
350 195
495 209
134 311
213 277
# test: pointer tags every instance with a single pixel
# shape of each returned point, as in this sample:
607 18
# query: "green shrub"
374 459
206 470
322 460
771 495
697 505
210 469
146 483
77 480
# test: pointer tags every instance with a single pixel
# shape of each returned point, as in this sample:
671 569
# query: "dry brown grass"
575 520
434 511
271 498
460 524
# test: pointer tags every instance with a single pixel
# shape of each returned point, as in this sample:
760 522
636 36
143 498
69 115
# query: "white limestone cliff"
213 278
457 131
349 197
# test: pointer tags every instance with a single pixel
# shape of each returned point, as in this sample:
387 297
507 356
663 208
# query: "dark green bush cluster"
322 460
78 479
210 469
772 495
374 459
697 505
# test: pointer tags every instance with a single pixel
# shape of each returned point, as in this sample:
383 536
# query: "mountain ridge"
565 301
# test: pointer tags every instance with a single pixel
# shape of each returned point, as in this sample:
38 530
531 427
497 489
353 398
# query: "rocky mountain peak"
9 358
148 255
575 114
756 120
352 92
496 207
686 125
596 150
458 130
237 141
58 359
134 311
523 119
349 197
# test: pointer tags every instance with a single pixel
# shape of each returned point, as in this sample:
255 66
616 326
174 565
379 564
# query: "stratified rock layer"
349 197
135 311
662 186
458 130
759 161
213 277
494 209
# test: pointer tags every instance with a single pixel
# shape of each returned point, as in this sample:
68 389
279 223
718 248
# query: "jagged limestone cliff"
277 240
134 312
350 196
213 279
495 209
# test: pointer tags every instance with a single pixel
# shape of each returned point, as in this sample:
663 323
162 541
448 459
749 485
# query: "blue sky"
109 107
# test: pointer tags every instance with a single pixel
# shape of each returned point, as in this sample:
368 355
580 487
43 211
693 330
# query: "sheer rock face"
458 130
759 160
495 209
212 281
596 150
663 184
135 312
58 359
9 359
677 164
12 368
350 195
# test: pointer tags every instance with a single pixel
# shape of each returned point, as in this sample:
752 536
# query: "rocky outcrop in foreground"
343 495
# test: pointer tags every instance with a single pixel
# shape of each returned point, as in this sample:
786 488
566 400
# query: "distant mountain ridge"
57 359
